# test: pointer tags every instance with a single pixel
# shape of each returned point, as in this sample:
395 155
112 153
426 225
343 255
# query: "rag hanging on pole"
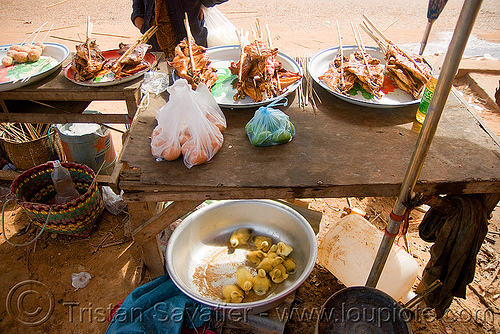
433 10
451 62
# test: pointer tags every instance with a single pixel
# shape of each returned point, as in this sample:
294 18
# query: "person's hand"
138 22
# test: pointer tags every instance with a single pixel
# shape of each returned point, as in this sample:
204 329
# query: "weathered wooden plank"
143 233
153 258
135 191
341 150
61 118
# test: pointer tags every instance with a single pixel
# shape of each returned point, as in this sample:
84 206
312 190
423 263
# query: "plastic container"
430 86
348 251
63 183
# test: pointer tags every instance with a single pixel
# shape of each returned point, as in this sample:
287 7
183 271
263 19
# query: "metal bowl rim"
251 305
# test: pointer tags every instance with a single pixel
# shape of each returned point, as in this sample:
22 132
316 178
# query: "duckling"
278 274
261 283
284 249
240 237
263 243
269 263
291 267
232 294
244 279
256 257
272 249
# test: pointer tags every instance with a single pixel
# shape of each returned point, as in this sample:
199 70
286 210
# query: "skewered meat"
88 60
260 74
342 74
202 71
408 71
409 74
136 56
132 62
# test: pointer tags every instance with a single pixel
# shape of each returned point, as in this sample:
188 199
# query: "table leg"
145 231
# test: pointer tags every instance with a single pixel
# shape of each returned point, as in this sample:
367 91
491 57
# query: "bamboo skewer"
361 48
269 41
189 40
34 32
55 4
48 31
87 38
391 43
341 57
143 39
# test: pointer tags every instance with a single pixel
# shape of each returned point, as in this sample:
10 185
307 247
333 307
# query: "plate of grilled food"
25 63
92 67
369 76
266 75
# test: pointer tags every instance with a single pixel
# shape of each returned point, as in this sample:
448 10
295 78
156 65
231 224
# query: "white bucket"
348 251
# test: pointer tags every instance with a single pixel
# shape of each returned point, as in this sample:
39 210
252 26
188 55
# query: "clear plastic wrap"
189 124
270 126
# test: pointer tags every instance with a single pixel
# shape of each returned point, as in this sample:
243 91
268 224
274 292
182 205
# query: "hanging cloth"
165 35
457 238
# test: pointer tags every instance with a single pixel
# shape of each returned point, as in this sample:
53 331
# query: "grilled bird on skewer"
88 60
202 71
262 75
408 75
133 62
342 78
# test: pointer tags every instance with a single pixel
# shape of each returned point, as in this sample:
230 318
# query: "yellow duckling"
272 249
269 263
240 237
256 257
278 274
232 294
263 243
284 249
244 279
261 283
291 267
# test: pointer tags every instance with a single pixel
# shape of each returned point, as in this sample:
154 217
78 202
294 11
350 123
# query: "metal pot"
362 309
200 262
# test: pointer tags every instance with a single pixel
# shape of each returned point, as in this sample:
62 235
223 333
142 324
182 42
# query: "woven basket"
33 190
31 153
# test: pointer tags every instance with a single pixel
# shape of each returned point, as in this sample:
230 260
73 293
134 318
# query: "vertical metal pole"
451 62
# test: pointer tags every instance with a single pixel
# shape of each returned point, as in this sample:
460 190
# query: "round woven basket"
31 153
33 191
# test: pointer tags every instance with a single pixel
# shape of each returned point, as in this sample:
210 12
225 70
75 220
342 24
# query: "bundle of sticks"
260 74
191 61
408 71
23 132
359 67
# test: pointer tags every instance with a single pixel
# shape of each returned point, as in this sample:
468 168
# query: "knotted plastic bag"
270 126
220 30
190 123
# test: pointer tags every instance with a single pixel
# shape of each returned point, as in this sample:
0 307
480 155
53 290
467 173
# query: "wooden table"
339 150
56 87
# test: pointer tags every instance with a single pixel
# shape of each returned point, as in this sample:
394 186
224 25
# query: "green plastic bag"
270 126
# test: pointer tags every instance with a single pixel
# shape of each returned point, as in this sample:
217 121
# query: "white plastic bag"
220 30
190 123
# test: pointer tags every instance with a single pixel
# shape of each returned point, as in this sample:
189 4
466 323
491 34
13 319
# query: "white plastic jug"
349 249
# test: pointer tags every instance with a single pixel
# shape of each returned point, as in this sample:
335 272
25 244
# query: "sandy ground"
297 28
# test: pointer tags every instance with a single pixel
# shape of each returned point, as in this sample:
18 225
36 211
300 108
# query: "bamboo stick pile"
23 132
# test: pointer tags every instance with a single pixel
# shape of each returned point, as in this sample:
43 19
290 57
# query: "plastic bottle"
348 251
430 86
63 183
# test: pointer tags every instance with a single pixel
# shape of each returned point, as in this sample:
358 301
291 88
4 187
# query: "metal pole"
443 87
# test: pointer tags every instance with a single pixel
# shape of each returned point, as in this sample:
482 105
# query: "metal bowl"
200 261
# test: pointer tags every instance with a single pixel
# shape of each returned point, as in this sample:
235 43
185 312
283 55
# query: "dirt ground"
298 29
